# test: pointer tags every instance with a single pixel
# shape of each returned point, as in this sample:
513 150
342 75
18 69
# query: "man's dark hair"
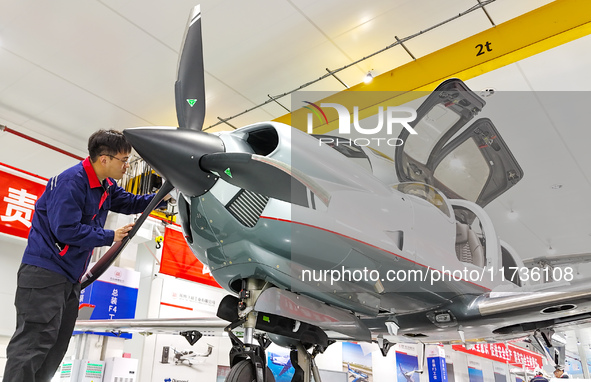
107 142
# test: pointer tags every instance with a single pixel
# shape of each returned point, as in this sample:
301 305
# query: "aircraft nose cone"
175 154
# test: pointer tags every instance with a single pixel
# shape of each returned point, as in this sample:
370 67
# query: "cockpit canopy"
464 161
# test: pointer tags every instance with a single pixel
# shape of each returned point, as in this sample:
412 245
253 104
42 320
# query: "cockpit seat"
468 247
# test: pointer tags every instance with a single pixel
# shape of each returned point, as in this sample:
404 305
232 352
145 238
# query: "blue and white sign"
436 363
113 295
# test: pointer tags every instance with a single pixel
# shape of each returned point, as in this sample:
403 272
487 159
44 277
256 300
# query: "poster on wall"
174 359
475 373
279 361
357 364
500 373
406 364
223 372
574 368
181 298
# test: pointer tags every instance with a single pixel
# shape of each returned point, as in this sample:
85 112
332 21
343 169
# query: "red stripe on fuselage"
364 243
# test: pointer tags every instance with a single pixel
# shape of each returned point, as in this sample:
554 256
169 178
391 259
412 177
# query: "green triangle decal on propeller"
228 172
191 102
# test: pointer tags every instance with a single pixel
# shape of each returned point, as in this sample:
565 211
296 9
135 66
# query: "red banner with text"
511 354
179 261
17 203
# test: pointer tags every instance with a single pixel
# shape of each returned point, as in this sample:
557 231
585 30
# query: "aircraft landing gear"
244 371
304 364
555 352
248 361
247 358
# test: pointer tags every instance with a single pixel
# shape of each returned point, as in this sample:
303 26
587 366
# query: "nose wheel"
244 371
248 358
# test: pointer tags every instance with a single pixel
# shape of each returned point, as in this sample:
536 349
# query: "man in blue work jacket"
539 377
67 225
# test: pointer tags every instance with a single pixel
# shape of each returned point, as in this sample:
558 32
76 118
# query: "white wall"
146 265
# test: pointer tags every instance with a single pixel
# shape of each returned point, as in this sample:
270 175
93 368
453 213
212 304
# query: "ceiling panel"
569 62
143 85
35 93
13 68
337 19
500 12
163 23
449 33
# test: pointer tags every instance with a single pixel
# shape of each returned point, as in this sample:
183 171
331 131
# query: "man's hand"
168 198
122 232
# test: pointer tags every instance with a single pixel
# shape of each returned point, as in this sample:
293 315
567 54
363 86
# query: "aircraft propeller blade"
257 174
190 84
174 153
108 258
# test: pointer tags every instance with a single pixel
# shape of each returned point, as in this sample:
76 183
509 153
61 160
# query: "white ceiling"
71 67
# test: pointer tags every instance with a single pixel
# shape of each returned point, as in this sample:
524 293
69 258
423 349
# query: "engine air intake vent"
247 207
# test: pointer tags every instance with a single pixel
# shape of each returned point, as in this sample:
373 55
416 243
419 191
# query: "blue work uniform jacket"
539 378
70 216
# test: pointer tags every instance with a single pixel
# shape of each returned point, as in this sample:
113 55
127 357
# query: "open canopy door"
462 160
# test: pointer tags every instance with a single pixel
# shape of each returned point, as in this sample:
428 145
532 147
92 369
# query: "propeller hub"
175 154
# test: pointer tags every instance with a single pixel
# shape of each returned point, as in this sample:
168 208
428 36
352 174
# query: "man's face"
117 165
558 373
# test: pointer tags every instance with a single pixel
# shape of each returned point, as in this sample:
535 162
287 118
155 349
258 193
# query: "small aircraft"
357 375
278 359
188 356
409 375
281 360
317 248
